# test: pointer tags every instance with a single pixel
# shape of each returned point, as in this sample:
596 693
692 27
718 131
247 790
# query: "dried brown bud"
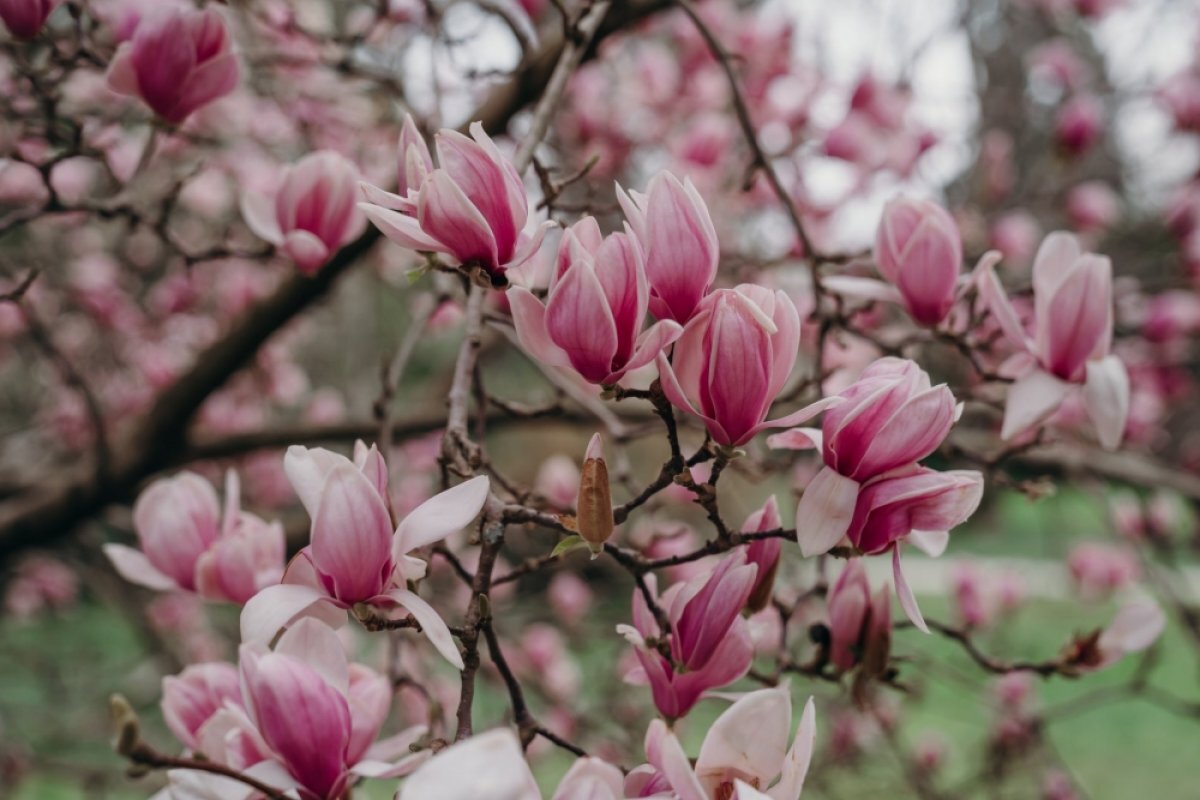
595 514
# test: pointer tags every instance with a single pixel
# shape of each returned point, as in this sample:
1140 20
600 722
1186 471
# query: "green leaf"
567 545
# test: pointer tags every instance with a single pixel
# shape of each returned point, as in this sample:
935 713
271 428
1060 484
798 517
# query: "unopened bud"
595 513
126 721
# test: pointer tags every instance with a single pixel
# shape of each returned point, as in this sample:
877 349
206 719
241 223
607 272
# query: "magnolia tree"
584 441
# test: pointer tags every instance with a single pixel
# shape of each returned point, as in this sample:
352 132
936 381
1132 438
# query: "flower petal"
1106 394
276 607
432 624
441 515
907 600
824 512
1031 399
133 566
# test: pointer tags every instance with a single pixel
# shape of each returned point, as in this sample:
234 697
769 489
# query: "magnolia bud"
125 720
595 514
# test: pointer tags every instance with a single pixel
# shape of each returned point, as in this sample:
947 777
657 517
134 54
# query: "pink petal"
591 779
317 645
276 607
122 77
579 320
825 510
674 393
1106 394
488 765
402 229
134 567
1030 400
676 767
442 515
992 293
749 739
652 342
795 767
800 416
907 600
351 534
862 288
304 248
447 215
796 439
529 319
432 624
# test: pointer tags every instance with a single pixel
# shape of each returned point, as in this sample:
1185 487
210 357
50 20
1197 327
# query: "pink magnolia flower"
189 544
709 641
415 160
919 251
870 489
318 714
1099 569
593 316
889 419
855 618
25 18
1093 206
744 752
191 698
1079 124
732 361
676 232
1071 343
763 552
313 213
473 207
356 555
176 62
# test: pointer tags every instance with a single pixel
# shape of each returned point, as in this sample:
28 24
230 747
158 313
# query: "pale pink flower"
1071 342
313 213
744 754
189 543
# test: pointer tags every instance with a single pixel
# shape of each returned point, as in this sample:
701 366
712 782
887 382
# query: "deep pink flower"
593 316
473 207
871 489
319 715
1079 124
709 642
313 213
732 361
176 62
188 543
676 232
1071 342
25 18
764 553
